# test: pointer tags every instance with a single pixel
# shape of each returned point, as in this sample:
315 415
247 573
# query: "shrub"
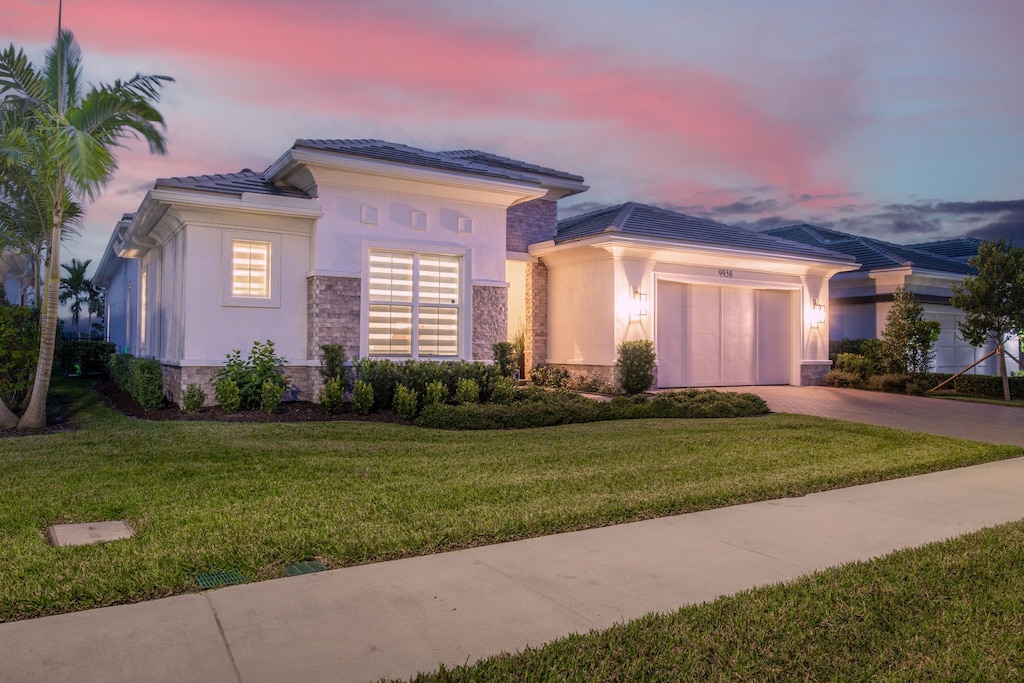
332 363
551 376
503 390
193 398
635 365
147 383
332 396
892 383
227 394
119 367
988 385
467 391
406 402
842 378
362 398
505 358
249 375
855 364
381 375
19 351
435 394
270 397
908 340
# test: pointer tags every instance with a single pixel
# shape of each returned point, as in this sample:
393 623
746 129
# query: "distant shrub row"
854 371
537 407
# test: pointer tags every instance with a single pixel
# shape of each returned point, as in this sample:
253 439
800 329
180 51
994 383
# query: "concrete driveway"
976 421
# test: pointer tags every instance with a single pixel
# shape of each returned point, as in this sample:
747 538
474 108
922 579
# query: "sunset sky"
897 119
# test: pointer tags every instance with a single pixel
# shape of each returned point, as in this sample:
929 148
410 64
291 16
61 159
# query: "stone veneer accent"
333 317
530 222
811 372
536 315
490 319
301 381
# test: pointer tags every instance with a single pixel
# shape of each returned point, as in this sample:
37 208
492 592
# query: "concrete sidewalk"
397 618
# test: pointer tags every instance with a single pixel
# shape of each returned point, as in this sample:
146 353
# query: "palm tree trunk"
8 420
34 416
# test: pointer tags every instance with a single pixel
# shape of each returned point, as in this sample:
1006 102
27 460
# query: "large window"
250 269
414 304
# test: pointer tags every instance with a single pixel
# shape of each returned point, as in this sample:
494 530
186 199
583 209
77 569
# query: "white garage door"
722 336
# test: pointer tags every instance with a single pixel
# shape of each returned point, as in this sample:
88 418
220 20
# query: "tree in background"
78 289
993 300
908 340
63 138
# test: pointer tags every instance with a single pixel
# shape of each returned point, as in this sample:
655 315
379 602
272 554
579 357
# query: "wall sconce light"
639 304
817 314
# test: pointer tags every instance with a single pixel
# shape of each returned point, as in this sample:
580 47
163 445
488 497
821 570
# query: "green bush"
536 407
332 396
119 368
147 383
406 402
551 376
249 375
436 394
193 398
891 383
384 375
504 390
270 397
635 365
19 351
332 363
855 364
842 378
467 391
988 385
505 358
362 398
227 394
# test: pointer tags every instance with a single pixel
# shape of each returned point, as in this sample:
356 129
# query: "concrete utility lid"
88 532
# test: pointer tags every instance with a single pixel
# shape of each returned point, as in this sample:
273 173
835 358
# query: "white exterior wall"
582 312
515 273
121 305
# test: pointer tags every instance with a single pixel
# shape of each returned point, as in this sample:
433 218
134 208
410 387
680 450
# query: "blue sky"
899 120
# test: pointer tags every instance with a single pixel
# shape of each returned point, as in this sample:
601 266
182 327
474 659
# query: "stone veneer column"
490 319
530 222
536 315
333 306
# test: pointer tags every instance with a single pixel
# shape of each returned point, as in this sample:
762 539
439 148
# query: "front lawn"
207 496
950 611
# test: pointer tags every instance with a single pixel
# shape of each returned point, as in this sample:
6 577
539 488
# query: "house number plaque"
724 272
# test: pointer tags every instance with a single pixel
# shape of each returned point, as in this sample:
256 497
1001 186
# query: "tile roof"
394 152
649 221
959 249
236 184
870 253
511 164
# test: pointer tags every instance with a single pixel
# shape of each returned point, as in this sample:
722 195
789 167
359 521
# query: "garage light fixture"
639 304
817 314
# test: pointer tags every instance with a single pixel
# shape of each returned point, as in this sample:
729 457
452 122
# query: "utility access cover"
87 533
224 578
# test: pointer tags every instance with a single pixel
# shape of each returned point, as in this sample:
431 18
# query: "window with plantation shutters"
250 269
414 304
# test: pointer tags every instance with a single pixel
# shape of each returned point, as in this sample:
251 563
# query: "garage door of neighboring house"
722 336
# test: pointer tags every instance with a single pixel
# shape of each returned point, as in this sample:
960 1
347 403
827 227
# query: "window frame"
274 270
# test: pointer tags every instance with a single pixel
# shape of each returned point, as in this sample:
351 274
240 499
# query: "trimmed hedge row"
536 407
384 376
988 386
142 378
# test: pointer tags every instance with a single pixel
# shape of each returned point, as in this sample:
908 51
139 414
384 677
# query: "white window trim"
465 342
228 298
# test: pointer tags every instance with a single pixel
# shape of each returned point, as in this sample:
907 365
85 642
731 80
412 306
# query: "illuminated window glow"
250 269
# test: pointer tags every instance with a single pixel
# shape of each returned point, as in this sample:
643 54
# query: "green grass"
206 496
948 611
977 399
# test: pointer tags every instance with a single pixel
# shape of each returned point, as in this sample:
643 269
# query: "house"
403 253
861 299
16 277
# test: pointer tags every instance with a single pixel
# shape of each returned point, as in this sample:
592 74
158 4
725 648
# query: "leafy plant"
551 376
908 340
19 350
467 391
436 393
406 402
332 396
635 365
227 394
505 358
193 398
146 384
503 390
270 397
250 374
362 398
332 363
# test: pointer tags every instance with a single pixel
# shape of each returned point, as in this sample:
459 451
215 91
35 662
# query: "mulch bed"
292 411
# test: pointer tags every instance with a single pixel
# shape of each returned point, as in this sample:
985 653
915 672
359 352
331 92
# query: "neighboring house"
860 300
16 277
398 252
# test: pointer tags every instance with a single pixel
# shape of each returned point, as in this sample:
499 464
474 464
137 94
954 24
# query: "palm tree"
78 289
65 141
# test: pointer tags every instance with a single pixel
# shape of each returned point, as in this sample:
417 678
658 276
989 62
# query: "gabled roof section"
870 253
506 163
643 220
236 184
959 249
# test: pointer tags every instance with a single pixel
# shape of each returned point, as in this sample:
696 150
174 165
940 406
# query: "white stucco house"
402 253
860 300
16 276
